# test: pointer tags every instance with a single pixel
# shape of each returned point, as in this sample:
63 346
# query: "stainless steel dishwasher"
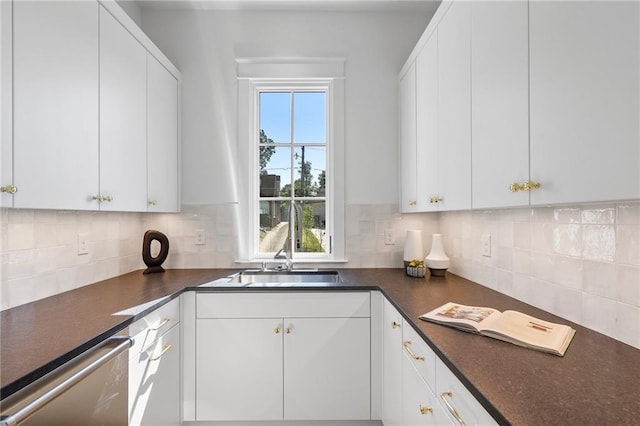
91 389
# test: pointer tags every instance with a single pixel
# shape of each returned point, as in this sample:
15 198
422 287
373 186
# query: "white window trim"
259 74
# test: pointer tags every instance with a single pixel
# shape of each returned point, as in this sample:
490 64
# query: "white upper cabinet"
584 100
123 120
500 102
162 138
407 101
55 104
454 107
6 111
427 150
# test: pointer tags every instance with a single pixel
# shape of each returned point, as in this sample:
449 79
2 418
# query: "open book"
510 326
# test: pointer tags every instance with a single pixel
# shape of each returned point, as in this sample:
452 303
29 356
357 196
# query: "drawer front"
278 305
419 404
147 329
457 401
421 356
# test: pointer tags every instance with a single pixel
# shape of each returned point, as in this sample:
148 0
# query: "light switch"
389 238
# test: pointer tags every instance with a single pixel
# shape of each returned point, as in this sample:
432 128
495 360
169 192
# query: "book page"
518 327
468 317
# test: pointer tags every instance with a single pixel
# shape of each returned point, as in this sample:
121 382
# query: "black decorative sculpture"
154 263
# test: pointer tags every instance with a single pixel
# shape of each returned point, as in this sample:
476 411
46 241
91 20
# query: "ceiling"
320 5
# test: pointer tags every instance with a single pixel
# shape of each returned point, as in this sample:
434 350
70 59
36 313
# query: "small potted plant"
416 268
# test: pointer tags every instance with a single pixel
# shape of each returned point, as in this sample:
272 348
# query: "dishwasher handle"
32 407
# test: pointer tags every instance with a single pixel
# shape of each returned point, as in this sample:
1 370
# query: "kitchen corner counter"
596 382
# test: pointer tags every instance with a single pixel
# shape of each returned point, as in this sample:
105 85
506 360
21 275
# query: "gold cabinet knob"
288 330
153 202
435 200
425 410
276 330
412 202
395 325
9 189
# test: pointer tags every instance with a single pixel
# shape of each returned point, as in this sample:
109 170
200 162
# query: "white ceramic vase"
413 249
437 261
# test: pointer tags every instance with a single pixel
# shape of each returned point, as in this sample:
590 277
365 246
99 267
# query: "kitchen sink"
282 277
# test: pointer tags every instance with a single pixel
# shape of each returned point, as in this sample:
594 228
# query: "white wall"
204 46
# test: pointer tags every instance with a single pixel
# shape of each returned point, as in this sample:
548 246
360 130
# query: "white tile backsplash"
579 262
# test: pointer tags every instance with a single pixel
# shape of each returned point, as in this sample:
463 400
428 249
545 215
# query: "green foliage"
265 152
310 242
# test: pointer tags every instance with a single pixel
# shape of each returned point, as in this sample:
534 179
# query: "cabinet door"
500 102
427 152
55 89
154 377
327 369
239 369
585 100
6 100
454 107
123 117
391 365
419 404
408 201
457 401
162 138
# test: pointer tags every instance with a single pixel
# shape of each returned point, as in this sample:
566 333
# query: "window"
290 152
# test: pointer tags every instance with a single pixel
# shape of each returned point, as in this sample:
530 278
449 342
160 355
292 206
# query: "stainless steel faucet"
294 236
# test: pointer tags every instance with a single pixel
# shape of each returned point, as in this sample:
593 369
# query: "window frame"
255 77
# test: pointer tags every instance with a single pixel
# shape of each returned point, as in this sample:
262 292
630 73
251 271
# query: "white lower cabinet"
283 356
418 388
154 368
419 404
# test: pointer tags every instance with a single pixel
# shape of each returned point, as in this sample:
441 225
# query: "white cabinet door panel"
392 324
162 138
408 202
419 404
585 92
327 369
55 88
454 107
500 102
154 377
123 117
239 369
427 152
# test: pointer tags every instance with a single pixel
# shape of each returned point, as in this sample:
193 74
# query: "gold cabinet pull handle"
276 330
102 199
159 326
164 351
450 407
9 189
407 347
527 185
153 202
412 202
425 410
395 325
435 200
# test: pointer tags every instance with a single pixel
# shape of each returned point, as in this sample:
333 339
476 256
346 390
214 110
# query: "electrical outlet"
389 238
83 245
486 245
200 237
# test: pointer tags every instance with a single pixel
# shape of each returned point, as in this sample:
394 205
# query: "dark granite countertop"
597 382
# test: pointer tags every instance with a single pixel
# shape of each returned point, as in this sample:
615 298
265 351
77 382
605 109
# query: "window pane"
274 220
275 117
275 171
309 124
314 235
310 171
